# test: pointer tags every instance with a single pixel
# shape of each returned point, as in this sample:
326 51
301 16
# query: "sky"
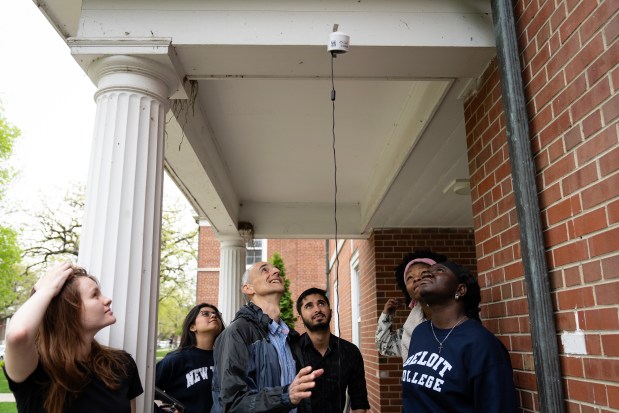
45 93
49 98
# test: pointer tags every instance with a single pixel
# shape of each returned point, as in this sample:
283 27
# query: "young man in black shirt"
340 359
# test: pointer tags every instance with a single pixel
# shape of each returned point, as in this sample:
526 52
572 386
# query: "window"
256 251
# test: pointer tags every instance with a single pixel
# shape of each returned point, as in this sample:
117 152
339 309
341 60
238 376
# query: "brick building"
516 98
569 54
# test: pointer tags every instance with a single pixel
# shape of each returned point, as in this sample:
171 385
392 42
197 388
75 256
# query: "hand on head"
301 386
52 282
391 306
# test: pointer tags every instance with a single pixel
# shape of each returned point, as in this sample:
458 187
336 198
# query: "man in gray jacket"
257 356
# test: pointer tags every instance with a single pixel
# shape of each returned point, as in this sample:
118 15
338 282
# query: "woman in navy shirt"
187 373
454 363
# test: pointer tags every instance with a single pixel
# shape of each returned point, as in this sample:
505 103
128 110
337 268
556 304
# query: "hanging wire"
337 259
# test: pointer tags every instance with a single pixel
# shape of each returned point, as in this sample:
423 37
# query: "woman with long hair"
187 373
454 363
53 362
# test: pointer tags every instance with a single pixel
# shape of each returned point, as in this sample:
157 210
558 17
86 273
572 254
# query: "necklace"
440 343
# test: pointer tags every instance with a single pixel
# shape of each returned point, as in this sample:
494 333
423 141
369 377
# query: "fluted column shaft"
232 267
121 233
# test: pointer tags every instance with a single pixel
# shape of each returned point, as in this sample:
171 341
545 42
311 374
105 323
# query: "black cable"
337 259
337 255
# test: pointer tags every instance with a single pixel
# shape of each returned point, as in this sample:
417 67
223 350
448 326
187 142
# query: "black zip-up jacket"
247 372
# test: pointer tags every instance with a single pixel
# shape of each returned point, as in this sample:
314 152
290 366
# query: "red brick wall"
378 258
569 55
207 286
367 303
305 265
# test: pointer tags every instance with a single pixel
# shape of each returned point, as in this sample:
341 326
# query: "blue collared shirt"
278 334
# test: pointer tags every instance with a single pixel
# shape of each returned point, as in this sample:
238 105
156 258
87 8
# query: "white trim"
336 304
340 244
209 269
265 250
355 298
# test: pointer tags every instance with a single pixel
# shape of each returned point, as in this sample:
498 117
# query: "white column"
231 269
121 231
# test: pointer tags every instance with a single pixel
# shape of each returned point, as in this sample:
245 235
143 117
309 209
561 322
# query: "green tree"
8 136
56 237
10 252
55 233
171 317
11 279
285 303
179 247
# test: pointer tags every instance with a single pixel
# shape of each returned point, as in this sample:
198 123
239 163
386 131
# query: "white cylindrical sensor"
338 42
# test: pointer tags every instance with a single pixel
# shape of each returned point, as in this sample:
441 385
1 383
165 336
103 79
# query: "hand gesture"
52 282
301 386
391 305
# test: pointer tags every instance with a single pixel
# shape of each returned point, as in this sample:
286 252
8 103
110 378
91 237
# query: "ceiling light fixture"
459 187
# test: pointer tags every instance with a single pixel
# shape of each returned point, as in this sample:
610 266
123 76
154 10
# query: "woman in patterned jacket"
394 342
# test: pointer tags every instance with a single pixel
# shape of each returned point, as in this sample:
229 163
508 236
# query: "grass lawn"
8 408
4 385
161 352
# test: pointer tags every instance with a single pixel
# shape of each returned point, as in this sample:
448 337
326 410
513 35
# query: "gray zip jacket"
247 372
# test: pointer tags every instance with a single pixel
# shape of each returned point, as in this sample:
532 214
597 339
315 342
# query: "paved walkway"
7 397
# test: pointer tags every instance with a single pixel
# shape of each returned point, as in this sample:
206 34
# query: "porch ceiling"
255 142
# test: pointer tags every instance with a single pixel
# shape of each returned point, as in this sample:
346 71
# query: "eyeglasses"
208 313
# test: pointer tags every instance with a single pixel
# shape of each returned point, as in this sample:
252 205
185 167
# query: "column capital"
230 240
122 72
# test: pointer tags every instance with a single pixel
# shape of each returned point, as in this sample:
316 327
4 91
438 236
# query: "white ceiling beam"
423 100
193 161
63 15
454 23
302 220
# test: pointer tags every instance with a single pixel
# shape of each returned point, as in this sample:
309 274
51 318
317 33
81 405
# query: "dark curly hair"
399 271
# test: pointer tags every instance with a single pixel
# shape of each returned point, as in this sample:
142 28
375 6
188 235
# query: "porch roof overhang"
249 136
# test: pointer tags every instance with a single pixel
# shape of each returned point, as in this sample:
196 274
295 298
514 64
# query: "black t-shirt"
94 398
187 375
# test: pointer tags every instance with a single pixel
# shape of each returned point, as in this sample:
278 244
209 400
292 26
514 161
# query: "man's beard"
324 326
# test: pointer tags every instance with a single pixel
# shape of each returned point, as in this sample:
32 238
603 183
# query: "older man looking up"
257 356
